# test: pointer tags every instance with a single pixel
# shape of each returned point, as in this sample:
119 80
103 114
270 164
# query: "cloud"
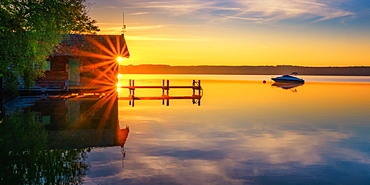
139 13
177 7
246 18
276 10
260 11
168 38
145 27
149 27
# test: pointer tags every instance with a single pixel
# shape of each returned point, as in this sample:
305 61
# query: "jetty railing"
165 97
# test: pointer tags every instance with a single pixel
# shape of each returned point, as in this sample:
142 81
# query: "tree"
30 30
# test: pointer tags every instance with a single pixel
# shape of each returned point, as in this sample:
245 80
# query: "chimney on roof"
123 24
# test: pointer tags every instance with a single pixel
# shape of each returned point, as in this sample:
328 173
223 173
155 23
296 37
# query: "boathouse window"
47 66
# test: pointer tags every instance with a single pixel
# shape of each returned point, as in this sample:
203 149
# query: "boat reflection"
291 86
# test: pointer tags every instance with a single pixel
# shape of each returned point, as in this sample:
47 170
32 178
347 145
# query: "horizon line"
237 65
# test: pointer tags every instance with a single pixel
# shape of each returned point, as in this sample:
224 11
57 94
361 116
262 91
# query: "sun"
119 59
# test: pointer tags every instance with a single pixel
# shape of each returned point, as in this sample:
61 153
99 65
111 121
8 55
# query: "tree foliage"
30 29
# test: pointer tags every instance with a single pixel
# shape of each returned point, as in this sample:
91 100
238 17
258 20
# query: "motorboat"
288 79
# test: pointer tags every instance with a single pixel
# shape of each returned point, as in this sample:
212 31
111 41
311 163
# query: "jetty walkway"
165 97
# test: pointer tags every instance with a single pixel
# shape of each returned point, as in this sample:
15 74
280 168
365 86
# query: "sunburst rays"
101 62
99 75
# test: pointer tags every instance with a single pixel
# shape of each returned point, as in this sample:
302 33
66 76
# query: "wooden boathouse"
82 63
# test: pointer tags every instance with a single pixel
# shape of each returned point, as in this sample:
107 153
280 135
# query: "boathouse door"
74 72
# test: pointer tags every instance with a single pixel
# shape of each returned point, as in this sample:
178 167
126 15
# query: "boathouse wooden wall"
59 76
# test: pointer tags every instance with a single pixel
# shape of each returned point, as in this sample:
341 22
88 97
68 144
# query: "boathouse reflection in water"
56 134
80 121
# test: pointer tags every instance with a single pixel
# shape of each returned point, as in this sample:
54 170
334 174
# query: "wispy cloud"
186 38
139 13
276 10
249 10
145 27
246 18
179 7
115 28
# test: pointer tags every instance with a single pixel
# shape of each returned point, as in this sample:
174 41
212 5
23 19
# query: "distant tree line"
30 29
245 70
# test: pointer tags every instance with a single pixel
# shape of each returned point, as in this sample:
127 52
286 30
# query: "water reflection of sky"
243 133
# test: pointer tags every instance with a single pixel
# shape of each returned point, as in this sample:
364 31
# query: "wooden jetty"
195 97
76 95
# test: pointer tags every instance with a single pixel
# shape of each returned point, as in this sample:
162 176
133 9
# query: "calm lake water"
242 132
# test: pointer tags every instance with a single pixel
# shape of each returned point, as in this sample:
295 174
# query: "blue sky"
272 25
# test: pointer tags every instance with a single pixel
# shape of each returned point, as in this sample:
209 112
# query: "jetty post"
166 91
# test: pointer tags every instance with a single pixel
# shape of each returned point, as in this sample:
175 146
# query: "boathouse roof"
80 45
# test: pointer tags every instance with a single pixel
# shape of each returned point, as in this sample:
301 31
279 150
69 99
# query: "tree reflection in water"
48 142
26 159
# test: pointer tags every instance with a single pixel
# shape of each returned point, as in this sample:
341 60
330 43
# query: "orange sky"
236 32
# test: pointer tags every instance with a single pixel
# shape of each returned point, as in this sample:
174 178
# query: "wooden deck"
165 97
159 87
165 85
81 93
160 97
